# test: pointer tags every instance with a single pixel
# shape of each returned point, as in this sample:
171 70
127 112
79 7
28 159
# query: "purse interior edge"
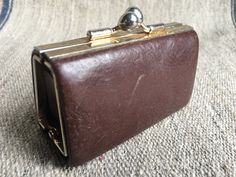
84 45
41 102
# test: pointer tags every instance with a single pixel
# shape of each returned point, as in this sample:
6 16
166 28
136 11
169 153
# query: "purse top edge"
84 45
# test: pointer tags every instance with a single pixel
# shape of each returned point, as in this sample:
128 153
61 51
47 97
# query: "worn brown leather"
108 96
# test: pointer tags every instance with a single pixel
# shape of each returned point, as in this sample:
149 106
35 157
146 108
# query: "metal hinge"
52 132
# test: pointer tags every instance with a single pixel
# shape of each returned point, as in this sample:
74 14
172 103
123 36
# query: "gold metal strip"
62 45
84 40
115 41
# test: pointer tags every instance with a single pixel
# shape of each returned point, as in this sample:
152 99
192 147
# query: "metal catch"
130 20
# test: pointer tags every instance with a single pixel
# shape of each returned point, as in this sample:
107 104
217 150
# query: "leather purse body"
92 95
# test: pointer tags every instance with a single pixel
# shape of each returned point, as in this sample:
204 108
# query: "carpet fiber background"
199 140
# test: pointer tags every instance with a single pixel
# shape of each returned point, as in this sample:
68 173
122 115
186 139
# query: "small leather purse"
94 93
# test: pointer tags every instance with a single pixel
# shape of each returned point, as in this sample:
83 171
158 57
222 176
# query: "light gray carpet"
199 140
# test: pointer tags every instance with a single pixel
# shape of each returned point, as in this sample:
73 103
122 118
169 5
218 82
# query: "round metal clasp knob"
131 19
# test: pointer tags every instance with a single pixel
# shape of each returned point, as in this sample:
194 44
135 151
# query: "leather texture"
109 96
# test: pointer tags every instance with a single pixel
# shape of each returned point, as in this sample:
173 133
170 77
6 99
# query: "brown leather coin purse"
95 92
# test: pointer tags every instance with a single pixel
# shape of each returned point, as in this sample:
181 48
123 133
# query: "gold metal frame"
85 45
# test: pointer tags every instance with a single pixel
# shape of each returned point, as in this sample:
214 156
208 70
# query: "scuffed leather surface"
111 95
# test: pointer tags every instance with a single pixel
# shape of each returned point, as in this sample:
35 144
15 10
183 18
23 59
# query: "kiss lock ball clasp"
131 19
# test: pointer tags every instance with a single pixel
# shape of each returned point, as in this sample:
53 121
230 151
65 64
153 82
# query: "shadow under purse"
95 92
